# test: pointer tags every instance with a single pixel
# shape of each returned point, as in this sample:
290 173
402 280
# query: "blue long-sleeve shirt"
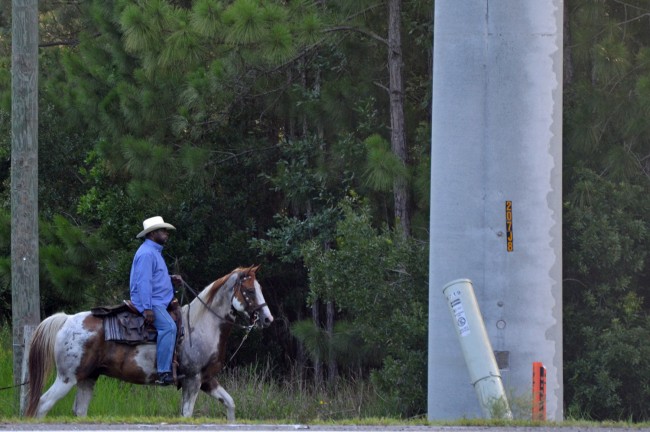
150 283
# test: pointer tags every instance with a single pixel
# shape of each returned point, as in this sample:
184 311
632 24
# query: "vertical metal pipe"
477 350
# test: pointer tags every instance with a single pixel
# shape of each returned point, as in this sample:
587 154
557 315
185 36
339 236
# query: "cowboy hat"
152 224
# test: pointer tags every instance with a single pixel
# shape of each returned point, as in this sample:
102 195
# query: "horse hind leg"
214 389
57 391
84 394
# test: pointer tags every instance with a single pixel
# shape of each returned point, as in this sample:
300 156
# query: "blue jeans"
166 338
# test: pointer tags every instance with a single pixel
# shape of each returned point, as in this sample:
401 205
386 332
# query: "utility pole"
496 195
25 297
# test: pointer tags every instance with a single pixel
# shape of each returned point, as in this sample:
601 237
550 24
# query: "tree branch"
365 32
64 42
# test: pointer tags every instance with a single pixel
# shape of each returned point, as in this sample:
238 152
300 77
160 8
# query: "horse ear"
255 268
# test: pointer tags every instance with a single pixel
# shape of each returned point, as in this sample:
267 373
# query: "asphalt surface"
299 427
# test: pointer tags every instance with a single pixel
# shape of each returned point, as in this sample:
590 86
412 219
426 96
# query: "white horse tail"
41 358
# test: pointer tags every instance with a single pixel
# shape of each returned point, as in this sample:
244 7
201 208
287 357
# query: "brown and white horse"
77 346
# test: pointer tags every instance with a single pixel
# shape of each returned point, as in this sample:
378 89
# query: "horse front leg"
84 394
214 389
190 386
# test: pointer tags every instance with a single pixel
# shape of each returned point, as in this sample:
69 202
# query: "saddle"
123 323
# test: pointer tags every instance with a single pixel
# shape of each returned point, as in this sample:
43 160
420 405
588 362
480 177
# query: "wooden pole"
25 298
28 332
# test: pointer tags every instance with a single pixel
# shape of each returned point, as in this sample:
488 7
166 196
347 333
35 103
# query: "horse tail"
41 358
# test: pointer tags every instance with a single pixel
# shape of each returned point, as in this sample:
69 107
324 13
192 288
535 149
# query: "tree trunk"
568 52
318 370
398 133
332 372
301 357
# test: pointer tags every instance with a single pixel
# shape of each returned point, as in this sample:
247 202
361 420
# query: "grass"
257 393
260 398
8 397
257 396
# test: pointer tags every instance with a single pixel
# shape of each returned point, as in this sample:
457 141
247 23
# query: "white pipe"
477 350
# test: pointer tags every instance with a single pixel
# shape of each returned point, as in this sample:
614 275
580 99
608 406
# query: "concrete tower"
496 195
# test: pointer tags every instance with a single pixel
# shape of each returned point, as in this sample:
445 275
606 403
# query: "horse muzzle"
261 317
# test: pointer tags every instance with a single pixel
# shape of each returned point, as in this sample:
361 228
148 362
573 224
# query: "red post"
539 392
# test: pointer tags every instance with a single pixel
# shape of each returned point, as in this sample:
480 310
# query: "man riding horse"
152 291
84 346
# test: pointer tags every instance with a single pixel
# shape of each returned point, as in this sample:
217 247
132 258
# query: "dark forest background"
262 130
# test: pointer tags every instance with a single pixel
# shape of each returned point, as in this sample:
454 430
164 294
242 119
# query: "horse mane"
211 291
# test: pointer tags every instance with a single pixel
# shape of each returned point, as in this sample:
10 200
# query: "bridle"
246 295
232 315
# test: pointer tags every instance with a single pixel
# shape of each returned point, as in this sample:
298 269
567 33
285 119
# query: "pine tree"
606 187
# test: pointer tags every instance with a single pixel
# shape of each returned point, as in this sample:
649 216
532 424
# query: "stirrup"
165 379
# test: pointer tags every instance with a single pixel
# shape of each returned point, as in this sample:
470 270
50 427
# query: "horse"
77 346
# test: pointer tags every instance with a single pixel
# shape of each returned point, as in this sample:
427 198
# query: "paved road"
297 427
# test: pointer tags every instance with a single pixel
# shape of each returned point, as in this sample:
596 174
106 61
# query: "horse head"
248 298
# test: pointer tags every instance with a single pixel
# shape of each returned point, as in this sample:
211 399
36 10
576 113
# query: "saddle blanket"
128 327
123 325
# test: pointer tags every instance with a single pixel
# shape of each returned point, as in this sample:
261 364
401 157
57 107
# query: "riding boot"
165 379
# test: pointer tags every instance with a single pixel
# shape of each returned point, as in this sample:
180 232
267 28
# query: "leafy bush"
607 366
378 280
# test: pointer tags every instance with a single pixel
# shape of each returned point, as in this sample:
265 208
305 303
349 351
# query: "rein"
20 385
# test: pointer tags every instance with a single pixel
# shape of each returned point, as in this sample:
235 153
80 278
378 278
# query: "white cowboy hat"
152 224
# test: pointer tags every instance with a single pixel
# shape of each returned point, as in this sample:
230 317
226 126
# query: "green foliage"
69 257
604 381
402 381
606 109
146 160
309 193
5 265
246 120
285 240
5 86
245 19
261 397
606 285
383 165
298 176
139 33
606 209
346 345
315 338
8 397
378 281
244 123
205 18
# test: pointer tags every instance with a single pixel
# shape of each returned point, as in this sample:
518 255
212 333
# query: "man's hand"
177 279
149 316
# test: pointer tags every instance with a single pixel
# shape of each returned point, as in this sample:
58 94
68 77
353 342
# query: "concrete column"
496 195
